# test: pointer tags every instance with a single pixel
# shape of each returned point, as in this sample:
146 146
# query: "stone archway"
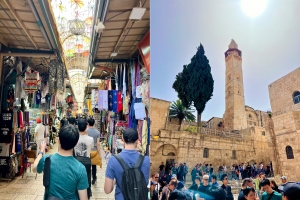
164 153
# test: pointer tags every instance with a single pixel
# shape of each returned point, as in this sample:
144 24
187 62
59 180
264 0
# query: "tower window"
263 133
206 153
296 97
289 152
250 116
234 154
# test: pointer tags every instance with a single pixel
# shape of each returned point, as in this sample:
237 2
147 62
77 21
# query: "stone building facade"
213 146
284 96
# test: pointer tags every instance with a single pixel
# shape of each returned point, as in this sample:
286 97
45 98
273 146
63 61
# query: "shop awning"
121 35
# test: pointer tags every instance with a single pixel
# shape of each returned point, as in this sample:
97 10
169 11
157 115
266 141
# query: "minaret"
234 117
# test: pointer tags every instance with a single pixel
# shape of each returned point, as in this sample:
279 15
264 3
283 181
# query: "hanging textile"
110 100
124 80
6 126
18 86
101 85
116 77
140 112
105 99
126 105
144 136
100 99
137 74
56 76
115 100
132 72
89 105
120 102
146 94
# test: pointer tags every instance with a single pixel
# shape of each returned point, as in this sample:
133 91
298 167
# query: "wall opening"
233 154
296 97
289 152
206 153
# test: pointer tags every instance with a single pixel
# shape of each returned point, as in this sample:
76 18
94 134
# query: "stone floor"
29 188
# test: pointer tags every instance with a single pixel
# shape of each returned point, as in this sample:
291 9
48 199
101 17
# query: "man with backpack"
65 171
186 170
129 171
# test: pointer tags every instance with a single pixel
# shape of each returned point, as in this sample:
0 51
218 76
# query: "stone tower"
234 117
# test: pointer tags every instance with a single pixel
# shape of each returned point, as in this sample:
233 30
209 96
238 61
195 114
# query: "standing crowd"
171 185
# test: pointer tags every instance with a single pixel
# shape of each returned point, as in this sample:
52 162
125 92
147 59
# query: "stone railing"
207 131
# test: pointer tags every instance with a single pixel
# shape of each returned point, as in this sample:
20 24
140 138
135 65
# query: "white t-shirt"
84 146
40 130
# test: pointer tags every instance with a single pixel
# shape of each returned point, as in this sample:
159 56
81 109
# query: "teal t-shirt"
276 196
67 176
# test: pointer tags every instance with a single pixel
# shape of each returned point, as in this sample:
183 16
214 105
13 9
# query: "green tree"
177 110
195 83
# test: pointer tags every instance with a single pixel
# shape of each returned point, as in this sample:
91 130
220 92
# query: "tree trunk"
199 124
180 122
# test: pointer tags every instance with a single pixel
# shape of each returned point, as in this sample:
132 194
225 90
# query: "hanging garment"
140 129
116 77
4 149
139 91
10 96
105 99
115 100
124 79
120 83
120 102
6 126
146 94
140 112
109 84
137 74
18 86
101 85
144 136
18 143
20 120
89 106
110 100
132 73
126 105
100 99
113 84
38 97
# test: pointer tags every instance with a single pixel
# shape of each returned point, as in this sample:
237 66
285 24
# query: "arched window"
206 153
250 116
296 97
233 154
289 152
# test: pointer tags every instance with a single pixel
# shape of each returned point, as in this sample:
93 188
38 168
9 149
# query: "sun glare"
254 8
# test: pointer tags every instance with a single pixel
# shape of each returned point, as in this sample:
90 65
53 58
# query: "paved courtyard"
28 188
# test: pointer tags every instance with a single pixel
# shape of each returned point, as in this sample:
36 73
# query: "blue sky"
270 44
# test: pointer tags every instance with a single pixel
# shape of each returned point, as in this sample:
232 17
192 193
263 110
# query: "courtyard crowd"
171 184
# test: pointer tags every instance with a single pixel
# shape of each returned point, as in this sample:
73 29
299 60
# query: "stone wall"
286 119
183 146
158 116
281 93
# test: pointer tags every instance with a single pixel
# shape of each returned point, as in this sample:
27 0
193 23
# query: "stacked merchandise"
124 102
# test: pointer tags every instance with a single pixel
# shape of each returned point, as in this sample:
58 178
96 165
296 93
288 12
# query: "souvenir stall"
28 92
122 101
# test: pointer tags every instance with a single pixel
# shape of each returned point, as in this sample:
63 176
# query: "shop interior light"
137 13
104 71
114 54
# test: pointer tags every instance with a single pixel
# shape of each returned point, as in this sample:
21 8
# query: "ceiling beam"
110 60
20 22
3 41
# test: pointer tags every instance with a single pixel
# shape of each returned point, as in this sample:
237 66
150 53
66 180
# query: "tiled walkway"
28 188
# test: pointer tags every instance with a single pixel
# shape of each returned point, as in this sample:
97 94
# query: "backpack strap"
121 161
46 176
139 161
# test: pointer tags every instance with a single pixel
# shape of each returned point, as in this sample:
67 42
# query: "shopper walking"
226 187
62 175
39 133
95 134
130 157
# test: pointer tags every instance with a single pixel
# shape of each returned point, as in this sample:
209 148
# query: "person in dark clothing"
180 173
162 166
153 191
194 174
226 187
194 187
249 193
72 121
205 187
246 183
169 177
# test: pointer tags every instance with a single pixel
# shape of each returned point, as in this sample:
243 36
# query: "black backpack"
134 186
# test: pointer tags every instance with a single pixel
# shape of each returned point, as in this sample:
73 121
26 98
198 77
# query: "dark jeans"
94 171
